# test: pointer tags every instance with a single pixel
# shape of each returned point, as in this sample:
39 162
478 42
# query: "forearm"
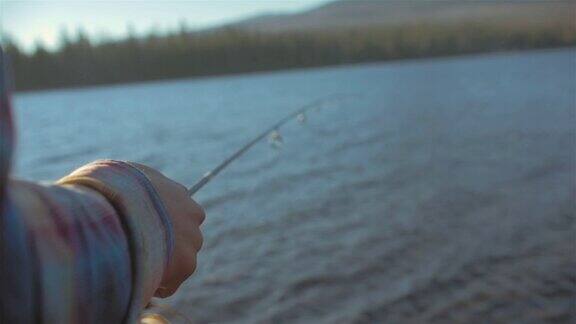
143 213
97 244
75 263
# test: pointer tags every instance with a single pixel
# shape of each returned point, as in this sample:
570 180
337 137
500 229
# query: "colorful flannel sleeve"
89 249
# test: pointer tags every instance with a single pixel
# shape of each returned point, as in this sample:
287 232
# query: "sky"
28 22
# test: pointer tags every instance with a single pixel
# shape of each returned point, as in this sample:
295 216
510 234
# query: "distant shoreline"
296 69
79 63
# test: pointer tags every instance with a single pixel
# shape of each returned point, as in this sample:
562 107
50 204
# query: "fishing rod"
299 114
272 130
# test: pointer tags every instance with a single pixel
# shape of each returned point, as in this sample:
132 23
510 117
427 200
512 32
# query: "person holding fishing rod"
95 246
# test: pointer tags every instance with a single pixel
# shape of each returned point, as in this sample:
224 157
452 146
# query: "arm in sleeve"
91 248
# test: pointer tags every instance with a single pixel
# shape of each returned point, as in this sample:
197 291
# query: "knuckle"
201 218
201 214
197 212
199 241
188 265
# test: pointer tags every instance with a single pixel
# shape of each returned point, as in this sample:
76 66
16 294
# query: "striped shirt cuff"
144 217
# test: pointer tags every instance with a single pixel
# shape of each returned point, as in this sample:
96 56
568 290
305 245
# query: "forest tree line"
81 62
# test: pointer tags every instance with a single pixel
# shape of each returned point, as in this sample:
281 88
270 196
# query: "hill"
340 32
369 13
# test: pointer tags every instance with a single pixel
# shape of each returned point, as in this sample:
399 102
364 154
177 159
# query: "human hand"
186 216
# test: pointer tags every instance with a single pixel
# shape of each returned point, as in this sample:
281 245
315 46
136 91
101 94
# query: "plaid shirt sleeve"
88 249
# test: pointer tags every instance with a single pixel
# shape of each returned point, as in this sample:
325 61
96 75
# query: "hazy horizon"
28 22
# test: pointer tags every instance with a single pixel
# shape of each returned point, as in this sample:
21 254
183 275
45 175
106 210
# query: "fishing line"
272 131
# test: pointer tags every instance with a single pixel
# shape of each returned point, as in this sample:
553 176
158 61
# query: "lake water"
443 191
